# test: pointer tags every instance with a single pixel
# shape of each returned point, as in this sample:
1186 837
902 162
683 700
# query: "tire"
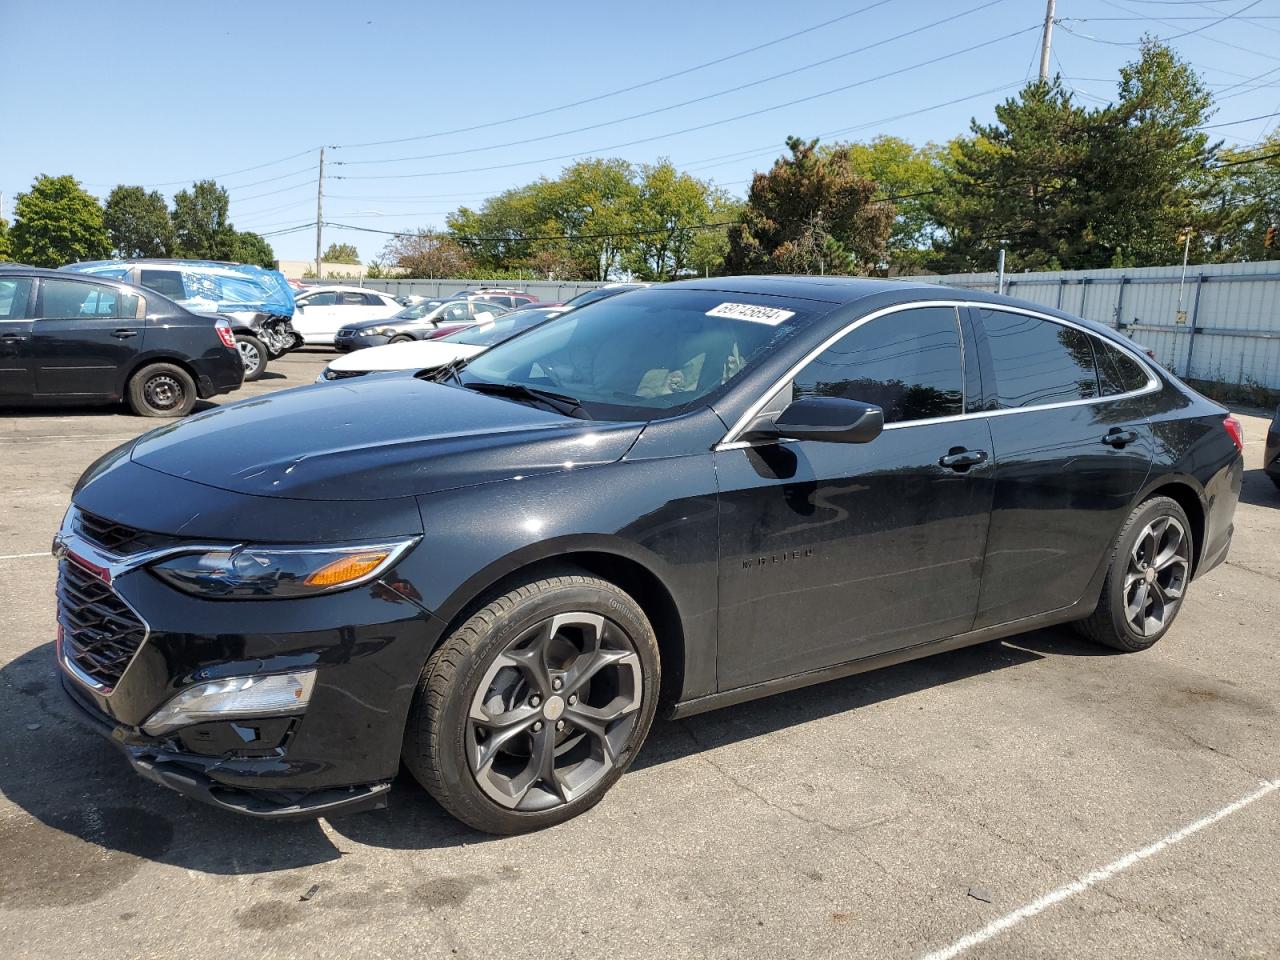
470 676
401 338
162 390
255 355
1135 583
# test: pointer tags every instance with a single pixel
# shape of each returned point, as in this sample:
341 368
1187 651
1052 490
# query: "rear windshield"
648 354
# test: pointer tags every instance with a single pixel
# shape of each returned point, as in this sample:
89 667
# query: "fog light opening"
232 698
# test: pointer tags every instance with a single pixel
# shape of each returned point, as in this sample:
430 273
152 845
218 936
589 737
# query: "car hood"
375 439
418 355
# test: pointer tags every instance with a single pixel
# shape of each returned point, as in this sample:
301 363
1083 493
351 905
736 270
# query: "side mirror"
830 419
299 305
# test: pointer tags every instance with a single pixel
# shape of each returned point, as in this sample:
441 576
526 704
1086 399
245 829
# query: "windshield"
591 296
649 354
418 310
487 334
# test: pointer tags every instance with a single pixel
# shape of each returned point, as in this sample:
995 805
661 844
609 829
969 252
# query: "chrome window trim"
730 441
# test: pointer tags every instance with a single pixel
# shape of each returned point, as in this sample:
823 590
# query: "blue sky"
164 93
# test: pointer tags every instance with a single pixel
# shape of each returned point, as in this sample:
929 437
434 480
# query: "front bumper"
345 342
189 774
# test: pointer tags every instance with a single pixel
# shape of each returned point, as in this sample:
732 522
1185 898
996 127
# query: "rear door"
1072 450
83 334
17 378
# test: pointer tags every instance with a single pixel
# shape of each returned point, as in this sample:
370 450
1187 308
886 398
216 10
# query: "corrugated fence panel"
1221 323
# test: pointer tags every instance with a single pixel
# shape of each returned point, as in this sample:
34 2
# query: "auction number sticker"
752 312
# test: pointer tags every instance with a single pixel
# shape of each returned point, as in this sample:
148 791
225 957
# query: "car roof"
339 288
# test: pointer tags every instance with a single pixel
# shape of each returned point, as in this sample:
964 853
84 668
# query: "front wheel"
162 390
401 338
1147 579
253 352
531 710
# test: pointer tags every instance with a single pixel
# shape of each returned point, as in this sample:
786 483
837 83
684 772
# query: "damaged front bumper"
196 776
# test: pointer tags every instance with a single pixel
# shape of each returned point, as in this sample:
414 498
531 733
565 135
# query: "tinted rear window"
1117 371
1037 361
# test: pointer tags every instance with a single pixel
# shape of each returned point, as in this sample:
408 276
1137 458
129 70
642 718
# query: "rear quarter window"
1117 371
1037 361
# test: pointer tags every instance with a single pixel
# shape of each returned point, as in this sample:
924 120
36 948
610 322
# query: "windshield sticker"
752 312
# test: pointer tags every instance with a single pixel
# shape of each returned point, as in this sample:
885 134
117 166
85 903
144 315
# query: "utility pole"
1046 41
1000 270
319 210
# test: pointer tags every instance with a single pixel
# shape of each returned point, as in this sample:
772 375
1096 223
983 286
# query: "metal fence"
1221 324
552 290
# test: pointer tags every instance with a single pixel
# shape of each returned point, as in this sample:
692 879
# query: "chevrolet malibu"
686 497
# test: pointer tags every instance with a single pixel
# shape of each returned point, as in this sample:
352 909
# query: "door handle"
124 333
960 459
14 337
1119 438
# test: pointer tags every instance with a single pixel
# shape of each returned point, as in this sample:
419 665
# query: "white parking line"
66 436
1094 877
25 556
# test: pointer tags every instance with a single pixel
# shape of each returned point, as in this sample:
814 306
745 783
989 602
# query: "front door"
17 379
830 552
83 336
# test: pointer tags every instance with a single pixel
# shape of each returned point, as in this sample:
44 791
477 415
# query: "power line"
701 126
230 173
1202 36
1232 123
613 93
674 106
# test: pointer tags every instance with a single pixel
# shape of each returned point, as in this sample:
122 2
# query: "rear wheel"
1147 580
254 354
162 390
534 707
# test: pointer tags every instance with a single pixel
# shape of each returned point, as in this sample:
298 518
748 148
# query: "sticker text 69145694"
752 312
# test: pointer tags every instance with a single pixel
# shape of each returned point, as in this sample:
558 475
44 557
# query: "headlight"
386 331
234 697
270 573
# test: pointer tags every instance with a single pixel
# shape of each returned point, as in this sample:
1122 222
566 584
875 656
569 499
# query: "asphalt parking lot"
1037 797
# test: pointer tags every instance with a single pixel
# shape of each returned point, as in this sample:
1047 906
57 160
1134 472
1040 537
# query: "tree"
200 223
909 174
57 222
426 253
251 248
666 210
810 214
138 223
341 253
1247 203
6 246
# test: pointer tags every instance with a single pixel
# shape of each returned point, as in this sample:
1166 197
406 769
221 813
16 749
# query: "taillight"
1236 430
225 335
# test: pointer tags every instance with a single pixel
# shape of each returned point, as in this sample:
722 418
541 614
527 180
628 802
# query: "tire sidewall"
612 604
1146 512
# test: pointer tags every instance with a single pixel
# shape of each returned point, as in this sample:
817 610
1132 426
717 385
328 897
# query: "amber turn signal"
345 569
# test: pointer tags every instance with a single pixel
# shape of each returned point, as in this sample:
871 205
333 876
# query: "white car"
322 310
424 355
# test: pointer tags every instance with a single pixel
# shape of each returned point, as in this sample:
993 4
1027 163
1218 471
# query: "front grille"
100 634
117 538
343 374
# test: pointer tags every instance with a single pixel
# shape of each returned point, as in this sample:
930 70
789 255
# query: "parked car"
324 310
431 355
539 305
1271 452
68 338
422 321
258 303
681 498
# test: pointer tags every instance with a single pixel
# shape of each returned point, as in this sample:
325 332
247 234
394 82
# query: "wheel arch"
141 363
603 557
1187 492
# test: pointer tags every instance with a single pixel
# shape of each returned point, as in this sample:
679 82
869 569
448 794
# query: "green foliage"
341 253
6 246
138 223
667 209
426 254
248 247
200 223
57 222
811 213
1247 204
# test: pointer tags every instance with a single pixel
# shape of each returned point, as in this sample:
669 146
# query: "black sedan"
1271 453
66 338
421 321
678 499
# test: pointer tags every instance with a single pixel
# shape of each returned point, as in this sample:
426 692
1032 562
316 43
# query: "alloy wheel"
554 711
163 392
1156 576
250 355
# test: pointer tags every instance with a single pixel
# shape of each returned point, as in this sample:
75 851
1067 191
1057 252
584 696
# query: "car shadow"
84 806
1258 489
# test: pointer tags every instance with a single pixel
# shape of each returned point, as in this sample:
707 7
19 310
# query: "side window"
68 299
326 299
166 282
1117 371
13 297
908 362
1037 361
348 299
